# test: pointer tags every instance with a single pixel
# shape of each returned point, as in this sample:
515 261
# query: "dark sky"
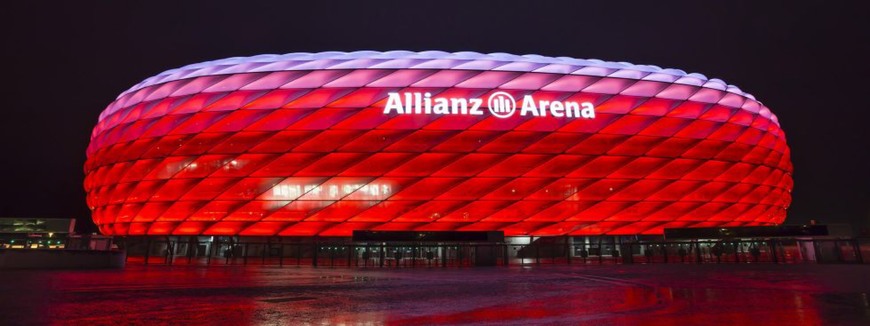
64 61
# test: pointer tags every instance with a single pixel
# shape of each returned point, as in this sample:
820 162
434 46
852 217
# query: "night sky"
65 61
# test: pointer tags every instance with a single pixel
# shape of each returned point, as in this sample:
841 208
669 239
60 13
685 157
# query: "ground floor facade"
202 250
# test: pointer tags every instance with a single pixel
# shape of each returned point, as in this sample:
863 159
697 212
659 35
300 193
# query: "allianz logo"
499 104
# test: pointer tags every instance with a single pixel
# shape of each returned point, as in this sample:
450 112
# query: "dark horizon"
66 62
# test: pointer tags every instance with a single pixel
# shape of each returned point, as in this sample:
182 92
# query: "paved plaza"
746 294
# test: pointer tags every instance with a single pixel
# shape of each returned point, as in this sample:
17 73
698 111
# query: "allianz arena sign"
500 104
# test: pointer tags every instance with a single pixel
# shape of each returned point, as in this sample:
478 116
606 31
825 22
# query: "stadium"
325 144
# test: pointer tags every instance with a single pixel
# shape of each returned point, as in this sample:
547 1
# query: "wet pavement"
676 294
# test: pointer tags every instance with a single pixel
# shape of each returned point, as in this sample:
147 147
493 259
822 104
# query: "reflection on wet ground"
619 294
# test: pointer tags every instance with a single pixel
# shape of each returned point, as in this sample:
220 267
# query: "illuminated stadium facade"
322 144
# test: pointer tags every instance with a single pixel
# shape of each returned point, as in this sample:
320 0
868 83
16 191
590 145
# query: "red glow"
312 153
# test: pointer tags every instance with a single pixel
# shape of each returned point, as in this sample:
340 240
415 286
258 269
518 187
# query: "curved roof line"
435 59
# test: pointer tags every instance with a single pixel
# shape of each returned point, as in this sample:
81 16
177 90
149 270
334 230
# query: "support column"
568 246
245 254
209 252
314 255
382 255
349 255
147 250
773 254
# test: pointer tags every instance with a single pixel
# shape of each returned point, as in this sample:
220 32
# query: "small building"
35 233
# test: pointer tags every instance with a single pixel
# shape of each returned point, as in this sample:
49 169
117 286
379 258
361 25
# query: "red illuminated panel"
300 145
